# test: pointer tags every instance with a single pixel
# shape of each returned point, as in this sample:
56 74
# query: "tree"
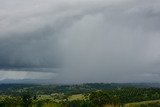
26 99
99 98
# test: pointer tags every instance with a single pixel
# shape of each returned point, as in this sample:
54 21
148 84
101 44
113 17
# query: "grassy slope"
153 103
76 97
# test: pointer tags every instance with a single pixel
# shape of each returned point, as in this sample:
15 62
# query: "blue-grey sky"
74 41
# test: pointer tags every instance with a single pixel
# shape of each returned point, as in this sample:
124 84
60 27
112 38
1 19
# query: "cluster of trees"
128 95
118 97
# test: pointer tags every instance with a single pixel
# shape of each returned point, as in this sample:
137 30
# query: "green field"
152 103
76 97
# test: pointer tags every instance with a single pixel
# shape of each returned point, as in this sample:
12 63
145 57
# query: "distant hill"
13 87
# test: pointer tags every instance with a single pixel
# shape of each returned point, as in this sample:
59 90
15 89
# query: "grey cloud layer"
90 41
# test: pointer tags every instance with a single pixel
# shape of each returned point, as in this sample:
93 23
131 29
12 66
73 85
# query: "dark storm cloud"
87 41
33 49
31 39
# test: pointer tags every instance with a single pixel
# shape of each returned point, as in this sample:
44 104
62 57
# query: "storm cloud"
80 41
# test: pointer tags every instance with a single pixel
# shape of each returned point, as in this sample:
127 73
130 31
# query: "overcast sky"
75 41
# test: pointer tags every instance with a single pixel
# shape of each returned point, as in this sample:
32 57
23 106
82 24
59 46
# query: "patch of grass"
45 97
153 103
76 97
